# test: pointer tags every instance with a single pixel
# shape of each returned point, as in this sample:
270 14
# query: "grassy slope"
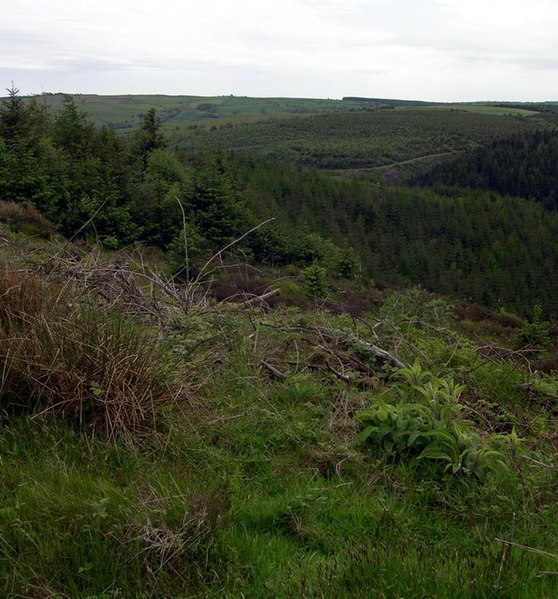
124 111
256 488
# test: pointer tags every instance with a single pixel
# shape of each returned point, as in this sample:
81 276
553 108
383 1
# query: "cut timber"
261 298
381 355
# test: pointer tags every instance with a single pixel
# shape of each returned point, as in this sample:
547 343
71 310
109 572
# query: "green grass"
479 109
261 492
256 487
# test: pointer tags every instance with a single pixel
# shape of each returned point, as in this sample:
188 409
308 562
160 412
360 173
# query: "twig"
185 231
275 373
338 374
525 457
526 548
90 219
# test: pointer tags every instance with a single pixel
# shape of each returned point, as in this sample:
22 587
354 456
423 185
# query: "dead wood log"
261 298
381 355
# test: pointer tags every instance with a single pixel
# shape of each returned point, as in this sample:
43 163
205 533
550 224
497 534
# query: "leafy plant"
424 422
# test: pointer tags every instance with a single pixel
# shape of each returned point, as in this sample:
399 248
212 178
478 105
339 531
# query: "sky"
445 50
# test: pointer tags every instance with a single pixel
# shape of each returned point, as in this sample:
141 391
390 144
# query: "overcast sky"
414 49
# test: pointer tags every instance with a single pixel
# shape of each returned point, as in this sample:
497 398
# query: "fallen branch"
261 298
526 548
381 355
275 373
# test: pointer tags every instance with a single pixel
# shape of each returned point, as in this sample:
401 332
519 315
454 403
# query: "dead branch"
339 375
261 298
381 355
275 373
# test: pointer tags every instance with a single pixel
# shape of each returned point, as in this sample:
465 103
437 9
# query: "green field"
479 109
124 112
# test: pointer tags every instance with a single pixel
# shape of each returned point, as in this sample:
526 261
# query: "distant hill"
124 111
359 139
352 135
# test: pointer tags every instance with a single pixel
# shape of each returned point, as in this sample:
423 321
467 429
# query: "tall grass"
99 370
25 218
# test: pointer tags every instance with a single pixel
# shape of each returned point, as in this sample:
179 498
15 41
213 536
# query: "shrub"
10 212
94 368
347 264
418 307
424 422
534 334
315 284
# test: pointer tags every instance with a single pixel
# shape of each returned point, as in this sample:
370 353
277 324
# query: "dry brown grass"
25 217
10 211
99 369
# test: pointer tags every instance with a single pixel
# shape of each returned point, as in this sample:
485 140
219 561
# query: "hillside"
126 111
249 465
521 165
476 245
357 139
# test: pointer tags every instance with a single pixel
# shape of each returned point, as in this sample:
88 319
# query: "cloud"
294 47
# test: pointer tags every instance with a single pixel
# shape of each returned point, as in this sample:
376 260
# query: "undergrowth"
266 491
424 421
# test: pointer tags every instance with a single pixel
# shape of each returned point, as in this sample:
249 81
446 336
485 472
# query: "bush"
534 333
418 307
315 284
347 264
94 368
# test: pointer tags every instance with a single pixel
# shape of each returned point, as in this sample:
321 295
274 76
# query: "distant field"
352 133
124 112
479 109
